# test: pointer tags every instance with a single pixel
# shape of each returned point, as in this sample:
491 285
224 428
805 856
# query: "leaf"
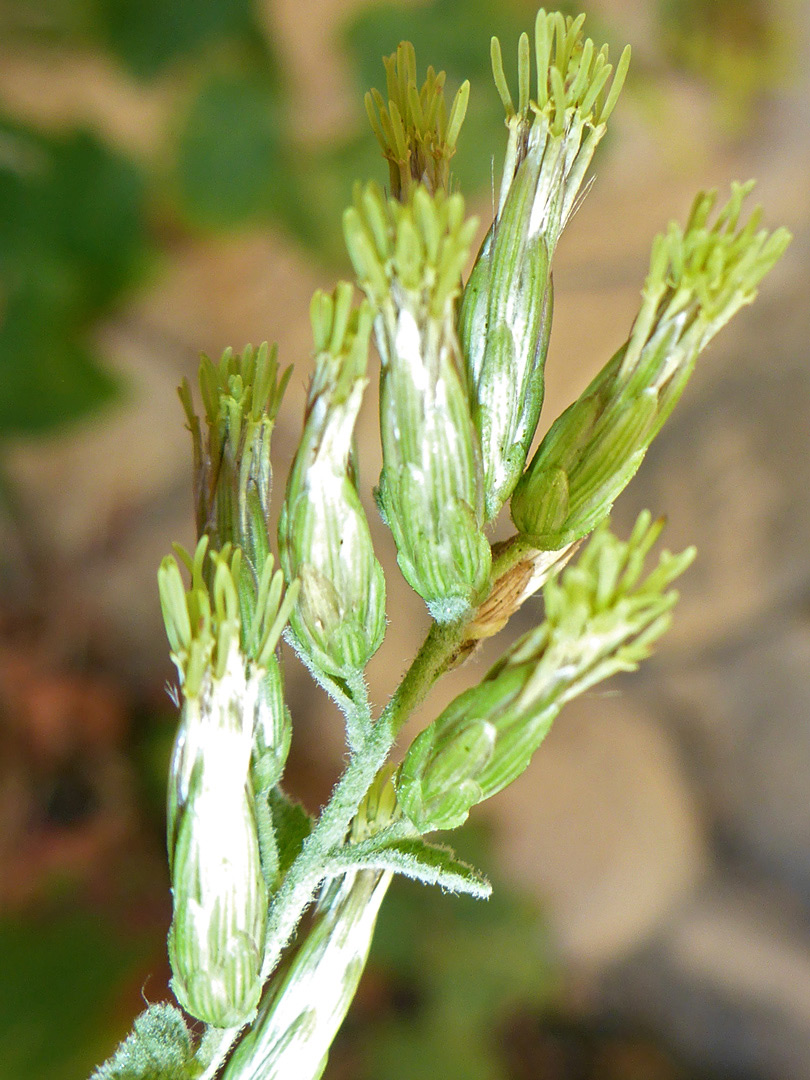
150 35
72 238
48 378
159 1048
72 220
432 864
292 826
232 164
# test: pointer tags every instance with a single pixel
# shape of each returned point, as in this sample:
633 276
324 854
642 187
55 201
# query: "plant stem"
444 641
437 649
312 864
358 715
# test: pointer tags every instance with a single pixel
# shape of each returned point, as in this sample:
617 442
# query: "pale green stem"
442 642
351 698
429 663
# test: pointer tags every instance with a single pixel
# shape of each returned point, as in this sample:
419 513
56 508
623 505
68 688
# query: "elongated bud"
699 278
415 133
378 808
562 126
408 259
324 540
311 993
505 317
216 941
272 724
272 735
601 618
241 396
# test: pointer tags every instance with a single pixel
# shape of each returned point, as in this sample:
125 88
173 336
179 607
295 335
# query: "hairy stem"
429 663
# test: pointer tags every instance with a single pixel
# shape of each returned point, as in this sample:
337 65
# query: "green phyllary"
699 277
409 258
324 539
505 317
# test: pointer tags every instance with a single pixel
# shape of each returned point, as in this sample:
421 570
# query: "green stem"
429 663
442 642
351 697
358 716
312 864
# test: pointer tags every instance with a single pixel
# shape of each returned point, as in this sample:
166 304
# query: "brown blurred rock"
744 712
602 827
728 983
59 88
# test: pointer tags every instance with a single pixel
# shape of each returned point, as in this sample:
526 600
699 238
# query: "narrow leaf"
432 864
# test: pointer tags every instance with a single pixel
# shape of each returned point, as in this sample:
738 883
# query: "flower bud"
698 279
216 941
505 317
560 129
241 396
409 258
413 129
272 730
324 539
504 327
272 734
308 998
378 808
600 619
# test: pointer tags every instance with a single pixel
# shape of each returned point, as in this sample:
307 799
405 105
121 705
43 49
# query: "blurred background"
172 175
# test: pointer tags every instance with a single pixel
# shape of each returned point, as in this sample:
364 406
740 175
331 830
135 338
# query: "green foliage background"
80 223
